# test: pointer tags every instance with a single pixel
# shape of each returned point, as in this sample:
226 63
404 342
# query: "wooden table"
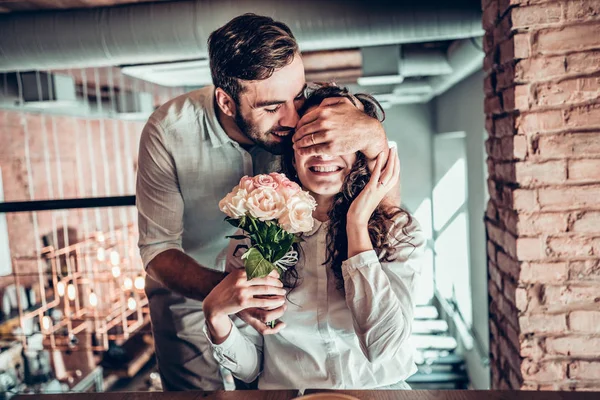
291 394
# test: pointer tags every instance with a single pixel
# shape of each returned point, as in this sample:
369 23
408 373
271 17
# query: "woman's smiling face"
323 175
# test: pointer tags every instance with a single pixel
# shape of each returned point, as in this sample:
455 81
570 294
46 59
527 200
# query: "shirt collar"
316 226
217 135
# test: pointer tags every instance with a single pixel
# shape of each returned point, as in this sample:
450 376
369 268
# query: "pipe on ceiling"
173 31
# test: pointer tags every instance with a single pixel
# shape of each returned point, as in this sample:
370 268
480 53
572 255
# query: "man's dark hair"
249 47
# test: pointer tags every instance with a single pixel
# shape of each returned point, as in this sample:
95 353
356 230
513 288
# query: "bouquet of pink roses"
272 211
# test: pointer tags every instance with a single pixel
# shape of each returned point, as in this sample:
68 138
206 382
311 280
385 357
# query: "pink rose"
265 181
298 217
278 177
234 204
265 203
247 183
288 189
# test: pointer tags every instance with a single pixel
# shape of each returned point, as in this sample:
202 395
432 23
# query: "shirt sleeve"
241 352
380 295
158 198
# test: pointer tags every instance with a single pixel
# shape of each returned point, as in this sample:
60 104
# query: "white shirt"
187 164
354 341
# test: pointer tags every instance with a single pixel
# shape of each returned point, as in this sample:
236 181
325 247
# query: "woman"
350 305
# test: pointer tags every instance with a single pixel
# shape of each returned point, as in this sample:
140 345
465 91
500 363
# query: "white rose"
234 204
265 203
298 217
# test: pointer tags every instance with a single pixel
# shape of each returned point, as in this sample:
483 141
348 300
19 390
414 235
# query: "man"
193 151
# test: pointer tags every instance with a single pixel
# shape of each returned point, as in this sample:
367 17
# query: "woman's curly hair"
383 217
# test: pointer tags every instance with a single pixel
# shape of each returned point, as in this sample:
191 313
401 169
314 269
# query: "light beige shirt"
352 340
187 164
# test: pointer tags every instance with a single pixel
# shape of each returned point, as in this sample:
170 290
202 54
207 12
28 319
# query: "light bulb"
127 283
60 289
46 322
116 271
101 255
114 258
131 303
139 283
93 299
71 292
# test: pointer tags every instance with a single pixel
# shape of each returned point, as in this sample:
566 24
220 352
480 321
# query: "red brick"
509 219
505 126
538 15
515 380
543 372
491 251
539 69
582 63
495 274
584 170
516 98
544 272
574 198
531 348
510 354
491 211
585 222
542 223
588 270
505 75
567 145
490 15
489 61
529 249
522 45
536 173
524 200
582 10
586 116
568 92
546 121
585 321
569 38
493 105
568 295
509 290
577 346
488 85
542 323
569 247
507 265
489 125
584 370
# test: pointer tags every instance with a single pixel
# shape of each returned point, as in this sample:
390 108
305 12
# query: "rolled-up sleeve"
380 296
158 198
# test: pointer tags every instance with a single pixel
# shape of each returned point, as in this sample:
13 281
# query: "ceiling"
411 71
31 5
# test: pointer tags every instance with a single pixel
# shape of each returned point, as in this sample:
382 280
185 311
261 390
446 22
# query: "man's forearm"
182 274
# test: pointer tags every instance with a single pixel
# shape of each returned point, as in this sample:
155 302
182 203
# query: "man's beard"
262 139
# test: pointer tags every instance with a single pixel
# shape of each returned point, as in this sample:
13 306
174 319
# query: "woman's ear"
225 102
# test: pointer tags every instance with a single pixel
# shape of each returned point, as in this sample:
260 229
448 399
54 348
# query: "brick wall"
57 161
542 111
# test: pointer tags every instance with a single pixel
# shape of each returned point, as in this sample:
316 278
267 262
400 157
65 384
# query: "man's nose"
290 117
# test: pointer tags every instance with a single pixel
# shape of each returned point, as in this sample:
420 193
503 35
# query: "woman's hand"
381 182
236 293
